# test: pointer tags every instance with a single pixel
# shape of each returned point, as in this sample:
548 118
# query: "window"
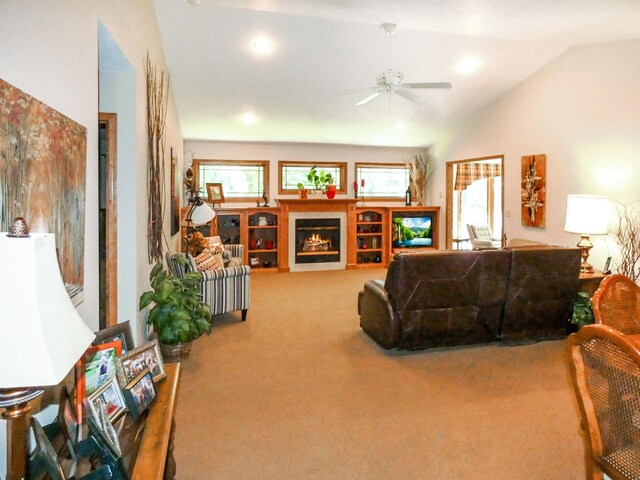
383 181
292 173
241 180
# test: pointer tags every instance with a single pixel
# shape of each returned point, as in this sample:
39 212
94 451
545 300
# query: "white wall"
274 152
583 111
50 51
133 27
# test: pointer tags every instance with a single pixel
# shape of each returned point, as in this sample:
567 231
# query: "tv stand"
373 235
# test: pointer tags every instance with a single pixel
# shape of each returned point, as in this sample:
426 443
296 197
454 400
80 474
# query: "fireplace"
317 241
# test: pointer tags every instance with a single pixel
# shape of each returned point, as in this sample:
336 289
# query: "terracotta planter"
331 191
175 353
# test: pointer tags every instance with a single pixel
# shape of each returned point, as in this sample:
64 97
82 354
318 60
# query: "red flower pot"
331 191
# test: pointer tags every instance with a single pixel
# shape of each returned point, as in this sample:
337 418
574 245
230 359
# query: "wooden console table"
155 456
589 282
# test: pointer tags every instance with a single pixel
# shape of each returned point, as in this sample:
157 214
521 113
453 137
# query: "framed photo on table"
107 399
215 193
131 364
120 331
95 368
139 393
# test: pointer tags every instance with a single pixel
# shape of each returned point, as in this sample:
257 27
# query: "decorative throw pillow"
205 261
216 248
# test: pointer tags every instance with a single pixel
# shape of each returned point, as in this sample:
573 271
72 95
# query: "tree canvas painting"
42 177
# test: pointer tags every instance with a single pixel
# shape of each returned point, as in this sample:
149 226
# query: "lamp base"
15 401
585 245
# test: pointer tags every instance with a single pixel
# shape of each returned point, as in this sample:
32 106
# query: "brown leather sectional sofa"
447 298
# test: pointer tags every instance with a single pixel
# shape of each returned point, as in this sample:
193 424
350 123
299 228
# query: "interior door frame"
449 195
111 222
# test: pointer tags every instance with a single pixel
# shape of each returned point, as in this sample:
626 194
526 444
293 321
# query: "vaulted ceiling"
322 48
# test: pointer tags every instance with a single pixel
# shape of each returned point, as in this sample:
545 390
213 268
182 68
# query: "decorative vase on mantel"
331 192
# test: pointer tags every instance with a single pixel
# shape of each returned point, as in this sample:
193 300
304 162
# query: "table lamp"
199 213
42 334
587 215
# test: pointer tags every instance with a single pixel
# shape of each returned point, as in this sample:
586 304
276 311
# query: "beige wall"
583 111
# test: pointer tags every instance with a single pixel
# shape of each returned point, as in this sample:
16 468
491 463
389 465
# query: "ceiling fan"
392 81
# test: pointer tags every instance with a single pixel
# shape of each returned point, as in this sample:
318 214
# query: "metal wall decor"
534 190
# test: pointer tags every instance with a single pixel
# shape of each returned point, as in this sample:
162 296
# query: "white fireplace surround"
307 267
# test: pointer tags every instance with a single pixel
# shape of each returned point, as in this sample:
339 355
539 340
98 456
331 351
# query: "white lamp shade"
41 334
587 214
202 214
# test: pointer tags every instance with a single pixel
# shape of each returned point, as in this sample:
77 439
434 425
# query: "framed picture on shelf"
254 262
109 399
121 331
131 364
140 393
94 369
215 193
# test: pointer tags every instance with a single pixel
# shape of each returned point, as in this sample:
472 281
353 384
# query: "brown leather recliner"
542 288
437 299
465 297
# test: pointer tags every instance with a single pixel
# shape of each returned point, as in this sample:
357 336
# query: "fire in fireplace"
317 240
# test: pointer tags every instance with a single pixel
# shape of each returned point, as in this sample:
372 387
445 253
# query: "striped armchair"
224 289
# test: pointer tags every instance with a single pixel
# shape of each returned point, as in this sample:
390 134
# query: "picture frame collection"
113 377
115 384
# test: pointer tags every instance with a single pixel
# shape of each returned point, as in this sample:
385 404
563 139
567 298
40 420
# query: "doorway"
107 220
475 195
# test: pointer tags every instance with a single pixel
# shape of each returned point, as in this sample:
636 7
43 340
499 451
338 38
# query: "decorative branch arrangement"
421 168
627 236
157 97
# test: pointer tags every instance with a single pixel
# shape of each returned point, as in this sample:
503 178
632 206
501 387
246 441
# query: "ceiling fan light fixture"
389 28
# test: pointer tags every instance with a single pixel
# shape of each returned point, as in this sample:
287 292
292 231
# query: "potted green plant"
318 179
178 316
582 310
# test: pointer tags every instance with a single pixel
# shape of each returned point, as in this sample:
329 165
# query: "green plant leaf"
145 300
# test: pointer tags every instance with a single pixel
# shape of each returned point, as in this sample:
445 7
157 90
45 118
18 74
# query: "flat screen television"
411 230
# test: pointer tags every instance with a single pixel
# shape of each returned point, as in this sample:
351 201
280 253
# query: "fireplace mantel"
347 205
317 204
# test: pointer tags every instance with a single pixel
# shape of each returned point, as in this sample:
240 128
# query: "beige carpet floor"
298 391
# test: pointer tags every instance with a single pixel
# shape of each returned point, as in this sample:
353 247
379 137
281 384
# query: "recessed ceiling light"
249 118
401 126
467 65
261 45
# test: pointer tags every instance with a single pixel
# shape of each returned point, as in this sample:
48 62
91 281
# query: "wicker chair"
617 303
605 369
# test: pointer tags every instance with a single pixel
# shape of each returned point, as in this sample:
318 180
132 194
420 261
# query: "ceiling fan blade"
409 95
358 90
427 85
369 98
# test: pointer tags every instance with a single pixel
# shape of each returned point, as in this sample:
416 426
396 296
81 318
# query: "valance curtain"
467 173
